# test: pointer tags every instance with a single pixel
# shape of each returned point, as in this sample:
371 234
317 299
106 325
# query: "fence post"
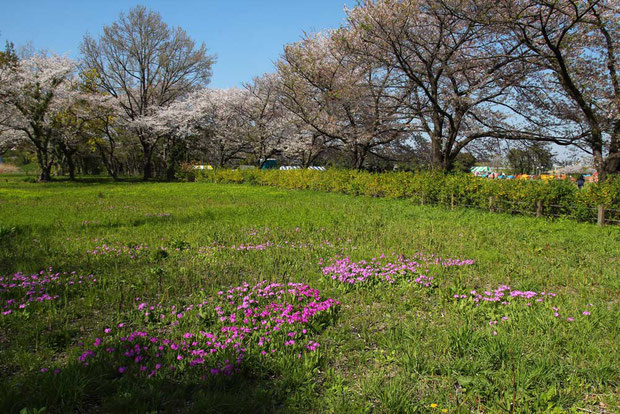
422 198
452 201
601 215
539 208
491 204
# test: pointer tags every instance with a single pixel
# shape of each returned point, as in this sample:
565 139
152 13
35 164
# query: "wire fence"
552 200
600 214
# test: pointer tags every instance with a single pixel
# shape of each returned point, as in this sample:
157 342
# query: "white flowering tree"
209 123
347 102
34 92
302 144
175 126
266 122
145 64
221 124
457 72
575 89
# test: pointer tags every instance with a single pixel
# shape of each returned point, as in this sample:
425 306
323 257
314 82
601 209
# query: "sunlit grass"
388 347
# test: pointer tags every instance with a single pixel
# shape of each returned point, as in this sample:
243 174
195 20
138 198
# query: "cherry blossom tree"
266 123
34 92
222 125
575 91
303 145
175 125
455 71
146 64
208 122
347 102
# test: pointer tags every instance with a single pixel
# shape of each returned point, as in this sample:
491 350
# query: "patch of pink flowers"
158 214
505 295
216 335
132 252
286 244
386 269
19 291
556 314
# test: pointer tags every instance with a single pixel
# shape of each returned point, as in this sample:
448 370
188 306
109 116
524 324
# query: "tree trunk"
71 171
360 161
599 164
46 172
110 164
147 167
44 165
436 156
71 166
170 172
447 162
612 163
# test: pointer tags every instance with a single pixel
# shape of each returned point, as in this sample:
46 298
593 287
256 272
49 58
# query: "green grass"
388 348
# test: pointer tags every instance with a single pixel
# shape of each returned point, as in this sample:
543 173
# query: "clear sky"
246 35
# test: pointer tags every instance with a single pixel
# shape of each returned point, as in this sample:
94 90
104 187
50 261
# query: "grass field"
418 309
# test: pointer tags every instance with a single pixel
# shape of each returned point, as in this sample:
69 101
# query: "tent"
203 167
481 170
269 164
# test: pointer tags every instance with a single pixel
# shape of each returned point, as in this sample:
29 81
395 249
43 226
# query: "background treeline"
429 84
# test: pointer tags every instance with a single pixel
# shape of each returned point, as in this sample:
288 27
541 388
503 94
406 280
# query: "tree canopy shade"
145 64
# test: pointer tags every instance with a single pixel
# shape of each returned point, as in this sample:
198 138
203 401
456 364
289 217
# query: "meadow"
203 297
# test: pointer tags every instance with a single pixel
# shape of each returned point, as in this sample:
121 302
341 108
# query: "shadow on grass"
84 180
12 236
97 388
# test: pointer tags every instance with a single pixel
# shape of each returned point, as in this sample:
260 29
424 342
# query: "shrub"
559 198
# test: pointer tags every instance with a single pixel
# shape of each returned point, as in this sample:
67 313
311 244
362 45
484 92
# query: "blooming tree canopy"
575 90
340 97
33 92
146 64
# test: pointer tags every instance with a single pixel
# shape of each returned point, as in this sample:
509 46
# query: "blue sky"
246 35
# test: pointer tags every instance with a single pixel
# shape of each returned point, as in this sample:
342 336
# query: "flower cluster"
386 269
158 215
298 245
19 290
217 334
132 252
505 295
556 313
325 244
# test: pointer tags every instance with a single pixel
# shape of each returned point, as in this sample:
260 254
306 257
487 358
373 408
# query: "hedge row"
557 198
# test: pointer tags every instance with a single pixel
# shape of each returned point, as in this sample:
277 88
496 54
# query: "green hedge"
559 198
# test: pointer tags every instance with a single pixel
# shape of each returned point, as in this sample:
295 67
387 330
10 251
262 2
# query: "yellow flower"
445 410
433 405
